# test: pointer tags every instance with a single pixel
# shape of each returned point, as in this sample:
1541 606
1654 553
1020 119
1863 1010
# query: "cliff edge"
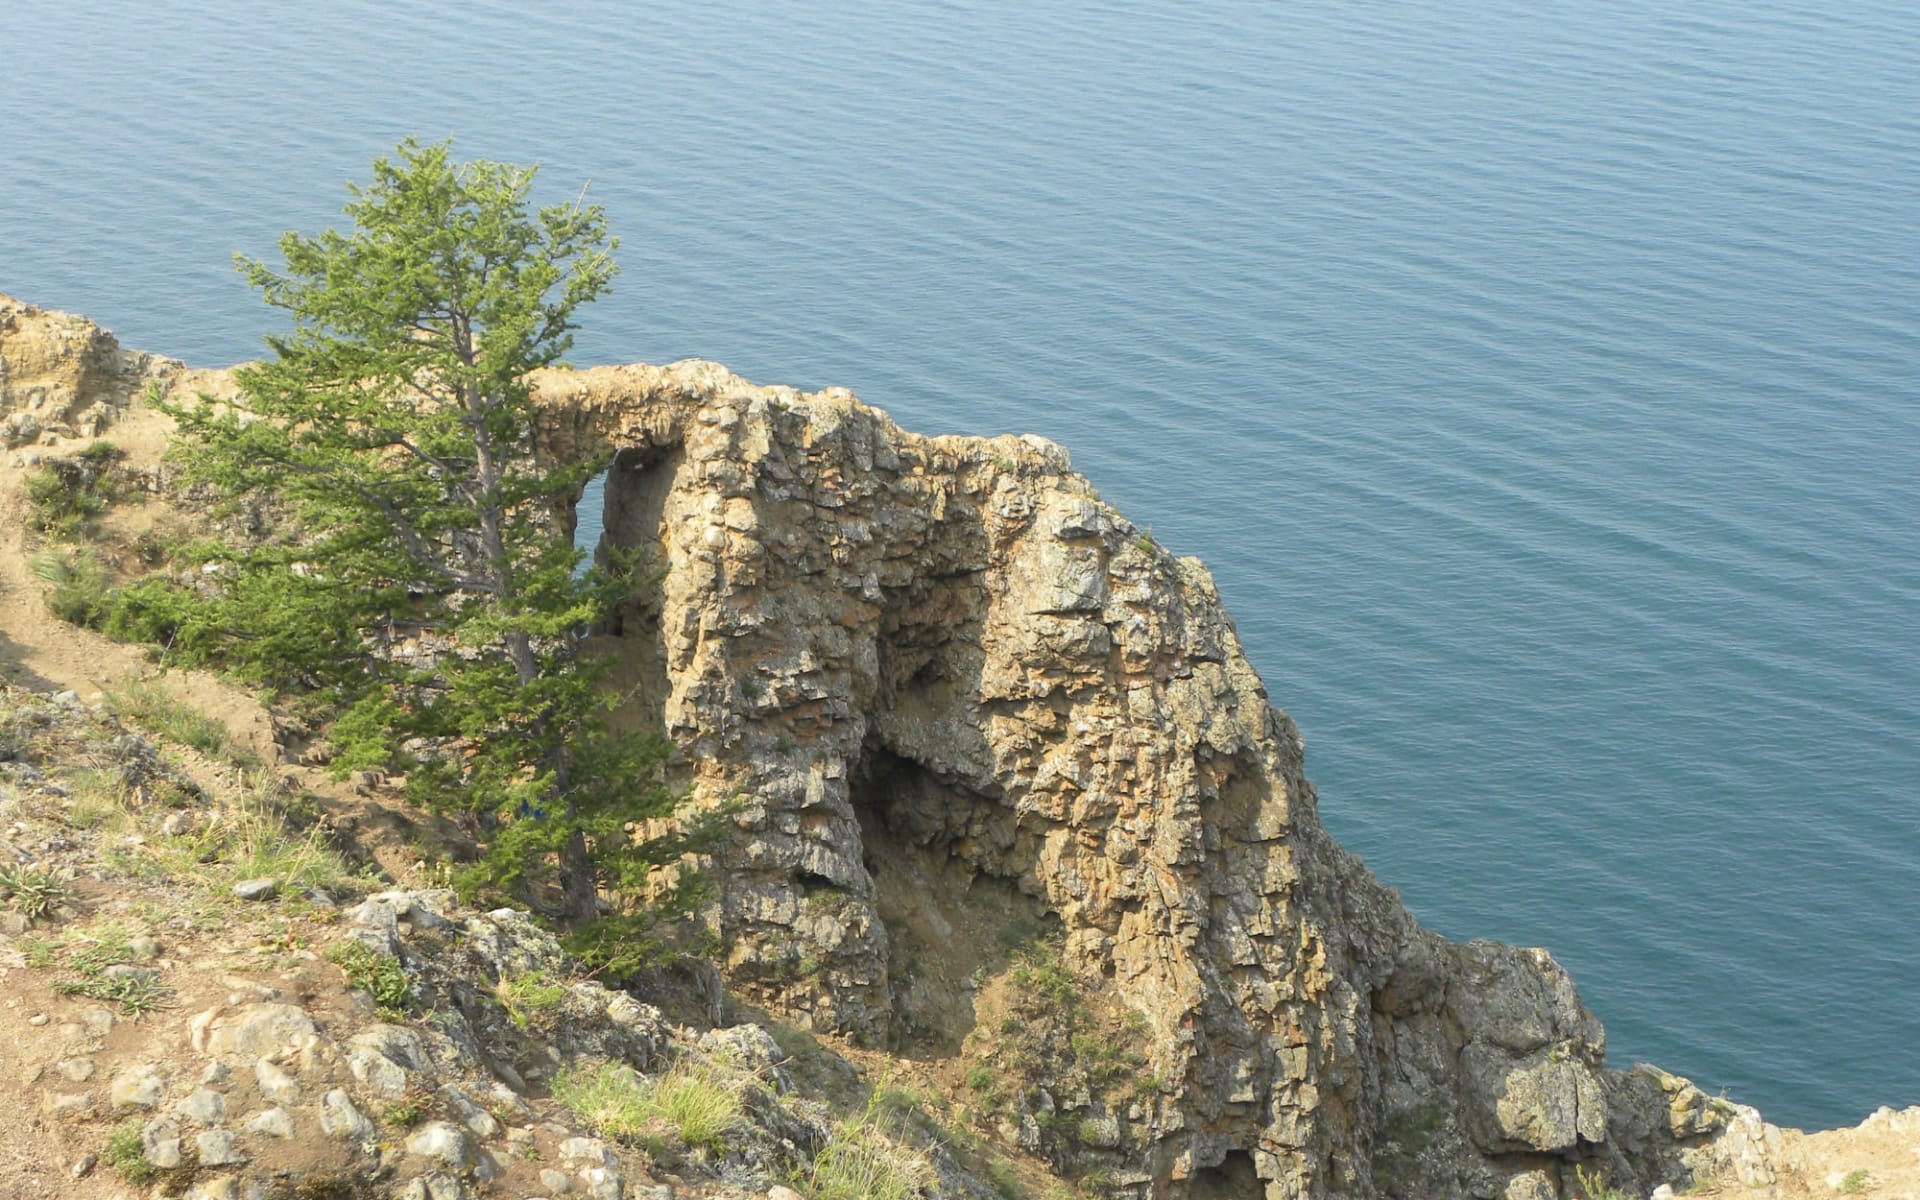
1011 805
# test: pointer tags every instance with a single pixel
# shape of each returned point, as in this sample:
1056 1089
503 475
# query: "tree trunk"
580 899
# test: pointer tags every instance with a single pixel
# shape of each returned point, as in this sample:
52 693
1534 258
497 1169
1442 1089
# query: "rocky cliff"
1011 802
942 674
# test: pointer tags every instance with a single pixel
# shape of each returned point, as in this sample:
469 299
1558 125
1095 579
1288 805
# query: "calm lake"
1538 379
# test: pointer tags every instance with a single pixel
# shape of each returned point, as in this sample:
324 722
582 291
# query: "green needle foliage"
424 586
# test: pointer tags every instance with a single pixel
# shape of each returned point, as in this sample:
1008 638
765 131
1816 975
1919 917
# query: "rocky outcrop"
933 668
967 717
61 375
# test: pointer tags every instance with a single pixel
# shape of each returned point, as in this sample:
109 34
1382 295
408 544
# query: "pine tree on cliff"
395 425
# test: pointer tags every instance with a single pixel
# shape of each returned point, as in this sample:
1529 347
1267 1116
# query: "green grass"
531 999
265 834
867 1159
698 1102
1594 1186
165 717
137 995
1855 1182
81 593
379 975
34 894
125 1154
405 1112
88 955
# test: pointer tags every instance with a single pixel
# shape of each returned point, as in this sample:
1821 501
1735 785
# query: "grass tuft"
35 894
379 975
698 1102
867 1159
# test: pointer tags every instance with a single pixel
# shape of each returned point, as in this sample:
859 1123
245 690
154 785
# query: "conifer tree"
425 586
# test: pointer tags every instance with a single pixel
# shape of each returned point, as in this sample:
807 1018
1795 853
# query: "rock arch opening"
623 510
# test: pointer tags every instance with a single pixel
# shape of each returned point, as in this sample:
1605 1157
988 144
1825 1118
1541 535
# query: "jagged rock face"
925 667
60 374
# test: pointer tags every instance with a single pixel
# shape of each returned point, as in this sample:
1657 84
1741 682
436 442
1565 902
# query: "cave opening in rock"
953 912
620 512
1234 1179
590 516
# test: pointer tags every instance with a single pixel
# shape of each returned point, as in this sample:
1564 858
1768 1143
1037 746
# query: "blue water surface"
1537 377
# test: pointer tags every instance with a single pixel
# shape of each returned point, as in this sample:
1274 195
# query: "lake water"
1537 377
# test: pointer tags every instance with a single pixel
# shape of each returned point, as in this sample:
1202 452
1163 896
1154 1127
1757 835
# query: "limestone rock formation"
992 753
937 673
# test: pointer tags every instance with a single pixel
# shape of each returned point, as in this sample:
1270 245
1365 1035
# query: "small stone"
215 1189
83 1165
382 1056
197 1028
160 1144
216 1075
143 948
585 1149
557 1182
275 1084
776 1192
258 1030
66 1104
275 1122
217 1149
79 1070
339 1118
443 1143
97 1021
205 1106
437 1185
603 1183
37 1019
175 824
255 889
137 1089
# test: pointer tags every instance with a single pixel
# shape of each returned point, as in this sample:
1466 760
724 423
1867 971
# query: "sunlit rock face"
948 686
969 717
61 376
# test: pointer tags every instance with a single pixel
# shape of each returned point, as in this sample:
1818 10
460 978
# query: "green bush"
151 610
81 593
66 498
127 1157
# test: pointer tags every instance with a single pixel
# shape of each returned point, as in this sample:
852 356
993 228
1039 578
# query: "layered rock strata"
926 667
